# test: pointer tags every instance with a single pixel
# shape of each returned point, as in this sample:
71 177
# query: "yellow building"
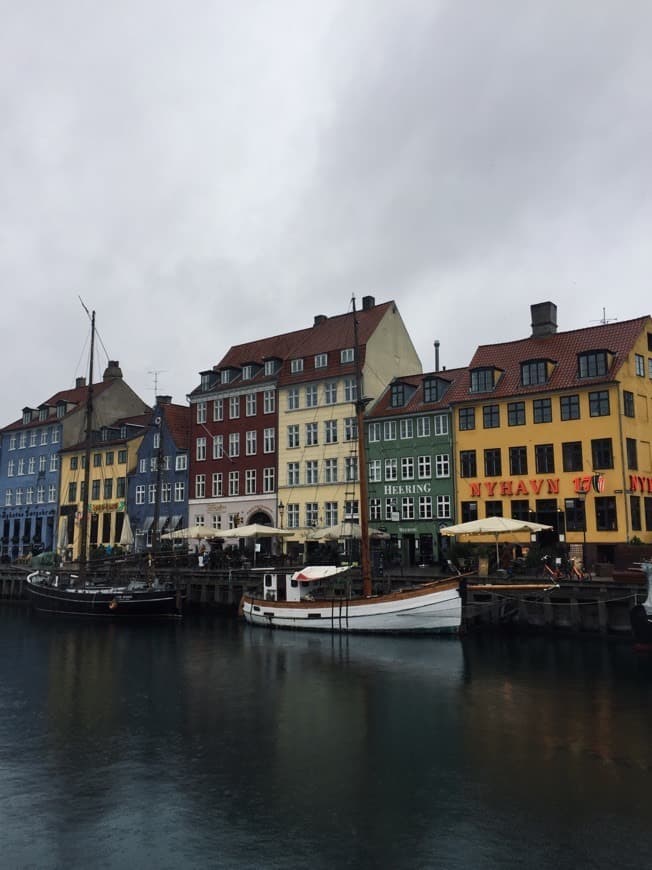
318 479
555 428
113 457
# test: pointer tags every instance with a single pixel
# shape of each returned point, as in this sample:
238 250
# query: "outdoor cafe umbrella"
496 526
344 530
254 530
195 532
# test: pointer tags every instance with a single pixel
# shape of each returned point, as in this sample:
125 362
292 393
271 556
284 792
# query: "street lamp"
281 510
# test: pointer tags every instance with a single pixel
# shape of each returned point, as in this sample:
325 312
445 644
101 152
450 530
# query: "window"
375 509
424 467
270 367
490 417
442 465
108 457
269 402
10 468
423 427
95 489
293 436
330 471
296 366
251 442
628 403
140 494
312 471
599 404
201 449
293 398
350 390
391 468
293 473
544 458
602 453
321 360
534 372
373 432
606 518
516 414
293 516
234 407
639 365
468 466
8 497
181 461
542 410
54 462
571 456
493 508
42 463
407 508
406 428
269 479
389 430
350 429
121 487
330 513
391 509
122 457
593 364
179 491
151 490
482 380
569 407
397 398
234 483
520 509
469 511
250 481
312 513
250 405
72 492
218 448
434 389
142 466
407 468
517 461
108 488
218 410
330 393
200 486
311 396
375 471
347 355
234 444
52 493
425 507
351 511
441 424
350 468
492 462
467 419
312 435
201 412
31 464
269 440
248 372
632 453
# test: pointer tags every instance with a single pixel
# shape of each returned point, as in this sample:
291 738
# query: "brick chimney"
112 371
368 302
320 318
544 319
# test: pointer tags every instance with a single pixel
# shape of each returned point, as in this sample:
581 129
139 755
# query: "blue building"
161 472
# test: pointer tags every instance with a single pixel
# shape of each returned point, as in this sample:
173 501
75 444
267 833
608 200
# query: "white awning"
147 525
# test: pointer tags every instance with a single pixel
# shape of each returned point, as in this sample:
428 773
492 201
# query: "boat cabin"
299 586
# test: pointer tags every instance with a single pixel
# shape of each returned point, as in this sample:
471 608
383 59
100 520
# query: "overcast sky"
207 173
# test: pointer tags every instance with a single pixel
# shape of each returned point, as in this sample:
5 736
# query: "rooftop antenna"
604 319
156 373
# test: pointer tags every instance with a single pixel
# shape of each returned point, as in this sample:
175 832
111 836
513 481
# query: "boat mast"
86 500
360 404
156 535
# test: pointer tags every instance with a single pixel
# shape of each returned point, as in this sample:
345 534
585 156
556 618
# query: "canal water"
204 743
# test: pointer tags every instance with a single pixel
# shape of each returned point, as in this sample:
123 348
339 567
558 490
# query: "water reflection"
204 742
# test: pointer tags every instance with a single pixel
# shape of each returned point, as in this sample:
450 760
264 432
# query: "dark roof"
561 348
76 397
178 419
329 335
416 403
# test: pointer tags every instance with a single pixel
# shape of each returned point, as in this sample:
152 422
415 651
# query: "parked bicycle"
553 572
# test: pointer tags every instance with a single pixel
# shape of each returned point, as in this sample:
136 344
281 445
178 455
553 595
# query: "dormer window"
434 389
42 414
534 372
248 372
296 366
205 381
347 355
321 360
593 364
27 415
397 399
123 432
225 376
482 380
271 366
61 410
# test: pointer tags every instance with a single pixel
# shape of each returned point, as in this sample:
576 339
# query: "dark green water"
203 743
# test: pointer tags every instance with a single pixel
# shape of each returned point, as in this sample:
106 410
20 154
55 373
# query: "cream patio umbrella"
254 530
195 532
495 526
126 536
344 530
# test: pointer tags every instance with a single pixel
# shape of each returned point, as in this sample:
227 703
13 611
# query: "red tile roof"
76 396
416 404
561 348
178 420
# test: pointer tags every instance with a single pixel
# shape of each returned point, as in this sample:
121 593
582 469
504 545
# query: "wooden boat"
303 603
77 594
641 615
